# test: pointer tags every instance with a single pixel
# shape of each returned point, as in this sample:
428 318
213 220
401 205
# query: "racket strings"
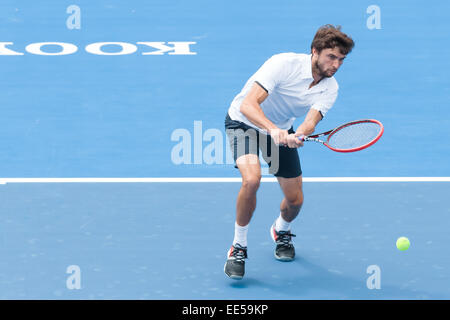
354 136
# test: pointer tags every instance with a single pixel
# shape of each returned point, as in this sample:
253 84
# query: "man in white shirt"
260 118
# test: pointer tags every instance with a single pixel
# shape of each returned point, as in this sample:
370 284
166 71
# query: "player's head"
329 48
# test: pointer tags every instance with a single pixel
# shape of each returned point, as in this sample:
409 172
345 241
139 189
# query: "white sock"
240 234
281 224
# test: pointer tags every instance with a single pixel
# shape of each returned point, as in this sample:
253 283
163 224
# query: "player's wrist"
273 129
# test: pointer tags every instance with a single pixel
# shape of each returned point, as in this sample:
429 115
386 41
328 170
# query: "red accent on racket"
350 137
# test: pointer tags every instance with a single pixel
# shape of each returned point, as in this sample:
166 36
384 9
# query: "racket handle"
302 137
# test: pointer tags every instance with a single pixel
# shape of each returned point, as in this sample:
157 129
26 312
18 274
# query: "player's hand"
279 136
294 141
300 137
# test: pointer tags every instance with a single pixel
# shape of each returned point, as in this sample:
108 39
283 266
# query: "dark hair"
329 36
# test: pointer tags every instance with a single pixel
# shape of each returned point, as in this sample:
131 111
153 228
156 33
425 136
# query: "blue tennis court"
98 100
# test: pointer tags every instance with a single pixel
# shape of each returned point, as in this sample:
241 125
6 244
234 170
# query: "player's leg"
292 201
250 169
244 145
289 209
289 176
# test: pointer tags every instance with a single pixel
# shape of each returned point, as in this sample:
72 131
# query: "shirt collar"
307 74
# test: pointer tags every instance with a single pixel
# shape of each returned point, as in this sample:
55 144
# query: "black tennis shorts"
283 161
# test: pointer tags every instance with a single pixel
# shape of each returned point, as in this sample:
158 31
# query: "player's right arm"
251 109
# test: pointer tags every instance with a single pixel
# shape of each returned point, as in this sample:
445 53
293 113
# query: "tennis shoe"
284 250
235 265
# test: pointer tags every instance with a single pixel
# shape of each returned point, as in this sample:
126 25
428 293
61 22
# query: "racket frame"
330 133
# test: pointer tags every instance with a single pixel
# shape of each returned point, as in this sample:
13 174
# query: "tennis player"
287 86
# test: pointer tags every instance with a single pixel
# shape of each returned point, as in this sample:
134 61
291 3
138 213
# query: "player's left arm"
307 127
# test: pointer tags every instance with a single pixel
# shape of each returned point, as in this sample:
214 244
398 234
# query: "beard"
322 72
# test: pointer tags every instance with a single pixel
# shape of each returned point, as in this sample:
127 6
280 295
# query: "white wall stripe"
220 180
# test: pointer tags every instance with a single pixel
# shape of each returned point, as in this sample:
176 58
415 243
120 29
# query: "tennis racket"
352 136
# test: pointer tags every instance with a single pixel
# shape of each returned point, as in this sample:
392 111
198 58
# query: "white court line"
212 180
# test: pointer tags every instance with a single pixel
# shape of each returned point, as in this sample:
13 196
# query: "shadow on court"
316 282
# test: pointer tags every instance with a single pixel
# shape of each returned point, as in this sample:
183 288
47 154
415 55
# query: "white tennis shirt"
287 77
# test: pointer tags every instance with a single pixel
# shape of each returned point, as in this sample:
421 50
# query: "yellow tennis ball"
403 243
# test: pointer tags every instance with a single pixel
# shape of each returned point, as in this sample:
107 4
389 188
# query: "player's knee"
251 183
295 199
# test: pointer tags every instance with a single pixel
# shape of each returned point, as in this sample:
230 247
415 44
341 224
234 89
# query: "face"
327 62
